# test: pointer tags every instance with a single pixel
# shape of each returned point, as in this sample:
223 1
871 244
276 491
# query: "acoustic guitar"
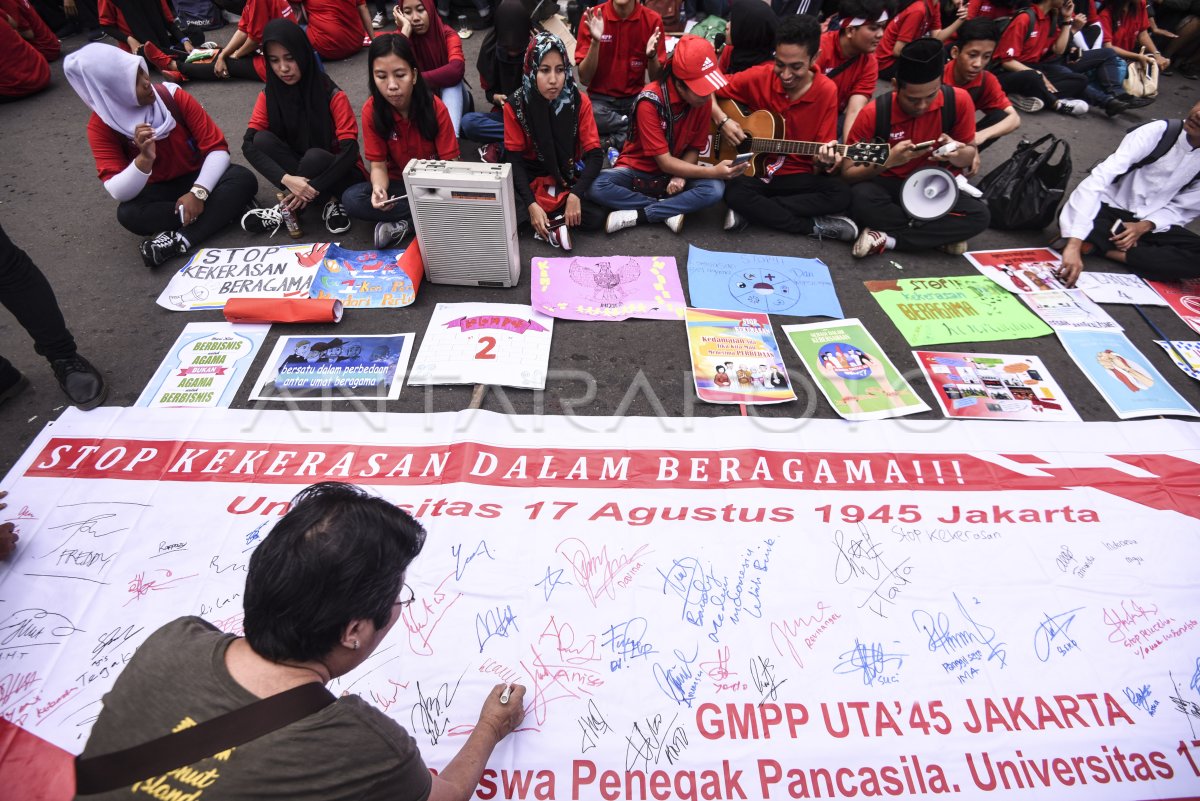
764 135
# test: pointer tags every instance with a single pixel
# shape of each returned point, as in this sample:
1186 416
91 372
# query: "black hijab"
553 128
145 21
509 34
299 114
752 26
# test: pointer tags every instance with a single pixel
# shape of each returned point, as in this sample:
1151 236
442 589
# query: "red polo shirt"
25 69
690 132
407 143
911 24
810 118
255 17
334 27
990 9
515 140
1124 33
917 129
857 79
44 40
1020 43
985 90
621 70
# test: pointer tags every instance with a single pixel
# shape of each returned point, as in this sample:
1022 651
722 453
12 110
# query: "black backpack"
883 113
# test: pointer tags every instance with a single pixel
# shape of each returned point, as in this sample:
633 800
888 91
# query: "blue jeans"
357 202
1098 66
454 97
483 126
613 188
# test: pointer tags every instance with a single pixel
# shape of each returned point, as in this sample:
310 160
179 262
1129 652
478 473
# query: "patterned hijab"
552 127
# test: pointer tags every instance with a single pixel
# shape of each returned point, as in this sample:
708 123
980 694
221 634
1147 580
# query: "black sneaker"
81 382
157 250
337 221
1115 106
14 389
1135 102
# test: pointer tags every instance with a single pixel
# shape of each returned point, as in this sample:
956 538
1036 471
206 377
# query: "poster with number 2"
504 344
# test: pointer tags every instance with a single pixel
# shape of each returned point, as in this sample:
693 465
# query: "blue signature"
494 623
553 579
460 566
679 681
1052 628
687 580
941 638
872 661
1141 699
1195 685
627 641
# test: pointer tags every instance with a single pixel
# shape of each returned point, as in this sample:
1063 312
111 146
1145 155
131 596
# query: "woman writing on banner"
158 153
302 135
323 590
548 128
439 53
402 120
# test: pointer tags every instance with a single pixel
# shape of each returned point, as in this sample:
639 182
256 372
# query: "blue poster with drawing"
761 283
1126 379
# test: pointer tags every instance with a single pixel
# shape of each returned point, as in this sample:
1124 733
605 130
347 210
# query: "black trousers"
1030 84
240 68
309 165
987 121
26 293
788 202
876 204
592 216
153 210
1168 256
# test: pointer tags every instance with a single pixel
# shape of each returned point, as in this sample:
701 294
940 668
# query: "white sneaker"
620 220
1030 105
735 221
675 223
869 243
1071 106
377 20
390 234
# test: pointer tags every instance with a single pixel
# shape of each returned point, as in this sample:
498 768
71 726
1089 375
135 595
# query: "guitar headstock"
868 153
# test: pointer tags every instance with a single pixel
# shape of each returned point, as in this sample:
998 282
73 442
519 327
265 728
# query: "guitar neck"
790 147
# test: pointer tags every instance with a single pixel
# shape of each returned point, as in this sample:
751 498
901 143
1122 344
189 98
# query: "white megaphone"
929 193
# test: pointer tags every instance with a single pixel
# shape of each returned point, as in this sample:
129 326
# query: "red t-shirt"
911 24
985 90
621 71
174 156
857 79
990 9
407 143
44 40
690 132
515 140
255 17
1020 43
811 118
1124 34
25 70
334 27
919 129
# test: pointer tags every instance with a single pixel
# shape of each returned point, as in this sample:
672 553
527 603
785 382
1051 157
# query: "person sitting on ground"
439 54
26 293
657 177
918 19
548 128
847 56
927 124
158 153
1126 27
241 58
750 36
32 28
620 41
149 29
302 136
402 120
323 590
794 193
501 71
337 29
23 70
1152 199
968 70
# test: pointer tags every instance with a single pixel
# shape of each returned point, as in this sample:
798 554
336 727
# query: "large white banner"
716 609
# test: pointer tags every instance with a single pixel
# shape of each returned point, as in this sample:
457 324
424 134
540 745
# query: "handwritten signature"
140 586
494 623
1141 699
597 574
650 740
593 725
430 712
762 673
627 641
1127 616
553 579
461 563
872 662
1056 627
941 638
679 681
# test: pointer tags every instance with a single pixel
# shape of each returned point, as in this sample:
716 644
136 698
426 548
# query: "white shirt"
1154 192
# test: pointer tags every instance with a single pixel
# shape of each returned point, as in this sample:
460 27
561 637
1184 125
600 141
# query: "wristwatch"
200 192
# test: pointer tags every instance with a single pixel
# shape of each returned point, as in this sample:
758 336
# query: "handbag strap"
100 774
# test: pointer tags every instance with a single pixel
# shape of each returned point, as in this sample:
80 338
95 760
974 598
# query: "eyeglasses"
407 596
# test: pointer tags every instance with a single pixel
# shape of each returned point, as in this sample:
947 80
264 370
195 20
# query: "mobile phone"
925 145
1117 226
742 158
392 200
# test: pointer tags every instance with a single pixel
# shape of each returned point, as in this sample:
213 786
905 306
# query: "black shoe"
81 382
1135 102
157 250
14 389
1115 106
1189 71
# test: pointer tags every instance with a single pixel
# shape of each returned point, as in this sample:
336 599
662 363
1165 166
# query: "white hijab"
105 78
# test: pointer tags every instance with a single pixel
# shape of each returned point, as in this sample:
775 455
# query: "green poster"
960 308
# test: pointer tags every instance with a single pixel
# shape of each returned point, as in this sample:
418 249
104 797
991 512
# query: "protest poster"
1021 269
967 308
1185 354
853 372
350 367
761 283
1126 379
214 275
724 611
1183 297
503 344
993 386
205 366
1118 288
370 279
608 288
735 358
1069 309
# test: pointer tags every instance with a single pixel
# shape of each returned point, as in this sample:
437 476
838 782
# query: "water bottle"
612 155
289 219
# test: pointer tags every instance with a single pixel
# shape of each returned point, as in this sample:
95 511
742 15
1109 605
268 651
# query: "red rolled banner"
283 310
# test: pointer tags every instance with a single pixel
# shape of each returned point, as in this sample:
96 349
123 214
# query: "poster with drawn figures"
370 279
1070 309
853 372
734 611
205 366
1126 379
993 386
1185 354
1020 270
348 367
504 344
735 358
1183 297
964 308
214 275
761 283
1118 288
608 288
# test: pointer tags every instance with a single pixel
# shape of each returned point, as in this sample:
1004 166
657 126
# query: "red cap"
695 63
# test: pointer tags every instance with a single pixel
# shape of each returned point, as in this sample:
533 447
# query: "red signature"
601 569
423 617
140 587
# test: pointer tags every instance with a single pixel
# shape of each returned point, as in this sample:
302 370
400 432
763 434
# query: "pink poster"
608 288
